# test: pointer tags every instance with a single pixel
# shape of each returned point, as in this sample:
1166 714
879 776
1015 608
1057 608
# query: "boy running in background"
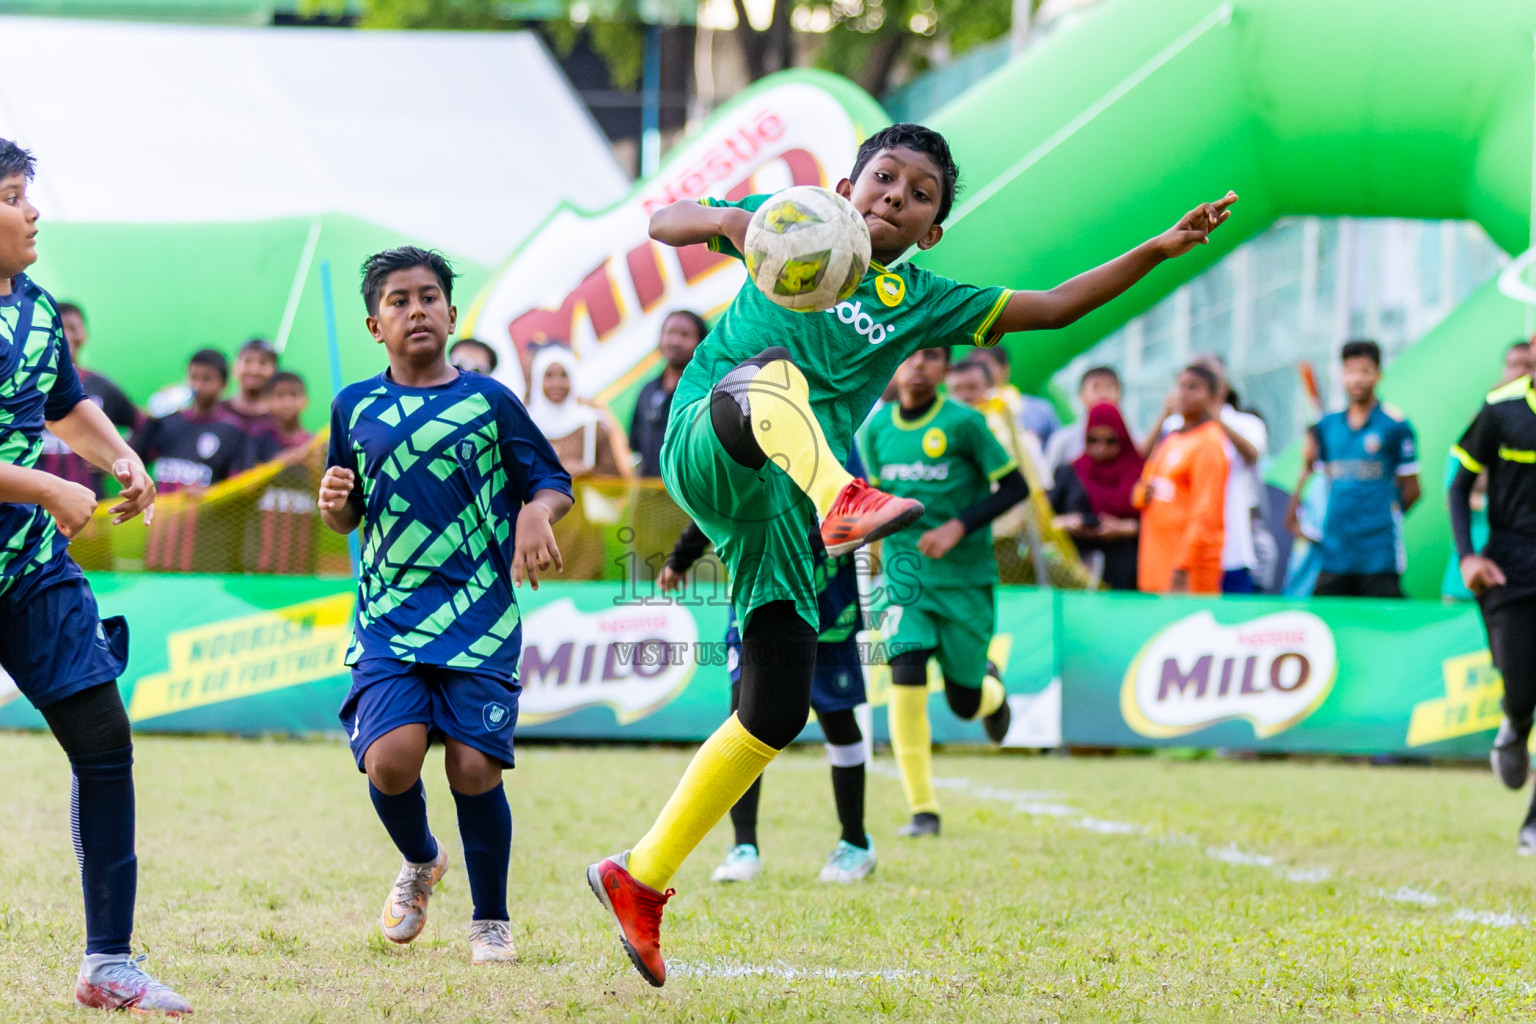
63 656
942 453
1501 442
836 689
455 490
741 405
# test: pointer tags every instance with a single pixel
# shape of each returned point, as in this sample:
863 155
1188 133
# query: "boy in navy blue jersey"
455 490
64 658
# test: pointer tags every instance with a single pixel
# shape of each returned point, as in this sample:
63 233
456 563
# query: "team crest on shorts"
207 445
934 443
496 716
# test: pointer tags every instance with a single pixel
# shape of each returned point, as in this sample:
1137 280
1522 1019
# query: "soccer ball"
807 249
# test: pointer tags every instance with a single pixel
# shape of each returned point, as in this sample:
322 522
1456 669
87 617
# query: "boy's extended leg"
393 763
761 411
485 826
743 863
854 857
912 739
92 727
778 658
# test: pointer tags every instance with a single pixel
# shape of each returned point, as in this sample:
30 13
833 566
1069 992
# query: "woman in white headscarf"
590 445
585 437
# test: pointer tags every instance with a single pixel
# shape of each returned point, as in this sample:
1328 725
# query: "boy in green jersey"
929 448
760 424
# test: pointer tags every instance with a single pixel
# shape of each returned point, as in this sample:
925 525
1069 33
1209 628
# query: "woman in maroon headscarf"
1092 498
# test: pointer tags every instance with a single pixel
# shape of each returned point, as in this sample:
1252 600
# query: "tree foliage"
871 42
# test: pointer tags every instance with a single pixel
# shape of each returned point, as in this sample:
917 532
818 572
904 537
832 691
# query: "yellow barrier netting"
265 521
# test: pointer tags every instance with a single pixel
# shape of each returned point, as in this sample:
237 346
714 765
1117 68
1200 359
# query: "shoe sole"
901 522
423 925
595 883
1493 760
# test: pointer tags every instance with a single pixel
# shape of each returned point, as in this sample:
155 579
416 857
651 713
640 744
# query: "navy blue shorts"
836 685
53 641
476 706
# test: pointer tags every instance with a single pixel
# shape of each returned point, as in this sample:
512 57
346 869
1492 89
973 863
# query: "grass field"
1122 889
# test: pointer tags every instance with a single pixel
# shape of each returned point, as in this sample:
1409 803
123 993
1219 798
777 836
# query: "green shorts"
759 521
956 623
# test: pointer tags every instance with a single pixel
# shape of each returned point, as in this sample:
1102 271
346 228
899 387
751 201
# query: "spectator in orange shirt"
1182 495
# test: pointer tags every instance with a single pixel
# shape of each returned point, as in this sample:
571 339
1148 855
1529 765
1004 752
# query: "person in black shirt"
202 444
1502 442
681 333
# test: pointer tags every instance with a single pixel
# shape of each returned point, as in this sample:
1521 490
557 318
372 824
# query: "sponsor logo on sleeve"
1273 672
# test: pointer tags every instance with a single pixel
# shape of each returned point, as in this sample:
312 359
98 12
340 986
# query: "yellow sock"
787 431
912 743
718 775
992 696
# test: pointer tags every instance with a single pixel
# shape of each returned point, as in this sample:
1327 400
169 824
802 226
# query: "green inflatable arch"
1102 135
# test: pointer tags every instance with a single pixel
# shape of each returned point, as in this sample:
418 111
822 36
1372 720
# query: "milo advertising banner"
596 283
252 655
1331 675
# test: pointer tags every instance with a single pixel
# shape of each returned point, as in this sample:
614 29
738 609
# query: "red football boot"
638 909
862 514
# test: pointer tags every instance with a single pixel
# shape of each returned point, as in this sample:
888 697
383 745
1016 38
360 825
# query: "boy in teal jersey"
931 449
760 425
455 490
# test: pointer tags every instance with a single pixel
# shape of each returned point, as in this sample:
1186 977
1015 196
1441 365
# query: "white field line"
1048 805
784 972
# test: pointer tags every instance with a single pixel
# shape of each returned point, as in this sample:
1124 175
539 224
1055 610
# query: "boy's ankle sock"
485 825
848 794
101 818
912 743
405 819
744 814
716 778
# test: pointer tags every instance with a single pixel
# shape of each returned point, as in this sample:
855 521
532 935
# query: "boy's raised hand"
334 488
1195 227
138 494
534 547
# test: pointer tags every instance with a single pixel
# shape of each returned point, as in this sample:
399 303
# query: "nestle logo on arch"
718 163
1273 672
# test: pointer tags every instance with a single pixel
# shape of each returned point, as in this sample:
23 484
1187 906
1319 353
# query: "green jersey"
849 353
947 459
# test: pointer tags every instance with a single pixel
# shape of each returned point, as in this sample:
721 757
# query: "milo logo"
852 314
1273 671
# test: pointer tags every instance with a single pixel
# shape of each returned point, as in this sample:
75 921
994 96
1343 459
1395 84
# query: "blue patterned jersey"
442 474
37 383
1363 530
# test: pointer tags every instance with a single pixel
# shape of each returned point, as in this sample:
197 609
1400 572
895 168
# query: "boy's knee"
964 701
393 761
470 771
90 722
841 728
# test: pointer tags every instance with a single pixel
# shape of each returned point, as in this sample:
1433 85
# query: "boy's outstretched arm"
689 223
1071 300
534 546
89 434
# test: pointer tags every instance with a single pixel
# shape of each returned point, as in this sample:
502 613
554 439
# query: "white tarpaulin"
465 140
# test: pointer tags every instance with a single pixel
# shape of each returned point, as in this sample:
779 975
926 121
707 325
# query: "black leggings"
910 668
778 658
730 411
92 721
841 728
1512 640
